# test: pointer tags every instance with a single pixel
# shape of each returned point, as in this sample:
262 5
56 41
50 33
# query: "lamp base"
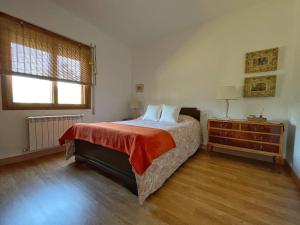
227 107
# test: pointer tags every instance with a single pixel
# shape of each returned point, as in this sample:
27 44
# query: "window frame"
6 81
8 104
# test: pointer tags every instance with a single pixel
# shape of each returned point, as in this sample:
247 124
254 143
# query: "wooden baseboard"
293 173
31 155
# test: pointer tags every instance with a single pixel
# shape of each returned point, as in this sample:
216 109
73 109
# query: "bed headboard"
193 112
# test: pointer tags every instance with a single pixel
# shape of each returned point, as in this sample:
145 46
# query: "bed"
116 164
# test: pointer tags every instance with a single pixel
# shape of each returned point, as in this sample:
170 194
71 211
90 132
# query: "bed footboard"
110 162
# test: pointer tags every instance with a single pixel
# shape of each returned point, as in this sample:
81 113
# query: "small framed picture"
264 86
261 61
139 88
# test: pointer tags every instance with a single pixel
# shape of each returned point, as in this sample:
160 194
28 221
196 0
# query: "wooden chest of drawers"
254 137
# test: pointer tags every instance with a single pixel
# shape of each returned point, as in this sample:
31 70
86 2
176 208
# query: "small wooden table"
264 138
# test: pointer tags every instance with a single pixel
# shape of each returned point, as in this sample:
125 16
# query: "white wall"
186 68
293 151
113 60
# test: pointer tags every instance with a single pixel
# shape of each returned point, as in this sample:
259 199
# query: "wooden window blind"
30 51
40 69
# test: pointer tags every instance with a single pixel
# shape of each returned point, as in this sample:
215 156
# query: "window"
42 70
24 90
69 93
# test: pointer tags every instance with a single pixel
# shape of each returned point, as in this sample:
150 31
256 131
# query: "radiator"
44 131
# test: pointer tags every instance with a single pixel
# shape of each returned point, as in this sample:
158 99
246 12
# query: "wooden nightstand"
265 138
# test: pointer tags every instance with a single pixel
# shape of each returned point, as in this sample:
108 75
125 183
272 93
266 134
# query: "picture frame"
139 88
262 61
262 86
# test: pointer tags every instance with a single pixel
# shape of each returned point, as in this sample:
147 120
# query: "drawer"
225 125
245 144
224 133
261 128
275 139
247 136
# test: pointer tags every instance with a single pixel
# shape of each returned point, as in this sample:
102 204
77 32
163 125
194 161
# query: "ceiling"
137 22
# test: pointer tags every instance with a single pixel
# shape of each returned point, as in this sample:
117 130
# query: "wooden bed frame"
113 163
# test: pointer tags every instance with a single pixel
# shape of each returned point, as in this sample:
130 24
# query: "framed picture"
139 88
261 61
264 86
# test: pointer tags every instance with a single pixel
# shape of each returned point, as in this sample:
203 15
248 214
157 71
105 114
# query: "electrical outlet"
25 150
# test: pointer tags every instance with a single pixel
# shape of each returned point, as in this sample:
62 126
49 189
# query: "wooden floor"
208 189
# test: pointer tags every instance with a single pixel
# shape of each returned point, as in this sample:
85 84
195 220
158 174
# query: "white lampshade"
228 93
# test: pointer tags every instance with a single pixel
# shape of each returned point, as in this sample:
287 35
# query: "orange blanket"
142 144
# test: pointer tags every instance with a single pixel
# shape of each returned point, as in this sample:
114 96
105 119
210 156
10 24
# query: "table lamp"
135 105
227 93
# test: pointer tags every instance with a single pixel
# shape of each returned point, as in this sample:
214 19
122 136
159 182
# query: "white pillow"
170 114
153 113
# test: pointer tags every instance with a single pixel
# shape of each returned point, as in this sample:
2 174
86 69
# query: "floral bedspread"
186 134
